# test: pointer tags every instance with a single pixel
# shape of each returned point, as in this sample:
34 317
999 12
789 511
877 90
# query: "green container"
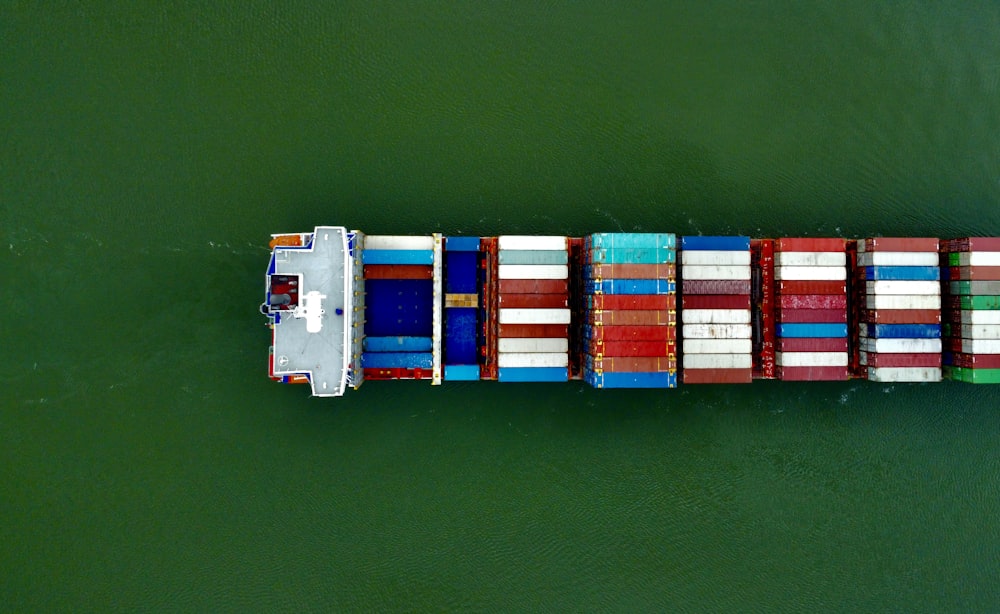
543 257
980 302
973 376
953 259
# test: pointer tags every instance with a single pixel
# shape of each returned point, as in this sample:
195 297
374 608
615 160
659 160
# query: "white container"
521 345
811 359
717 346
533 359
981 331
904 374
715 316
810 259
715 331
979 258
399 242
980 316
981 346
534 316
717 361
533 271
726 272
902 301
898 259
901 346
926 288
715 258
531 242
810 273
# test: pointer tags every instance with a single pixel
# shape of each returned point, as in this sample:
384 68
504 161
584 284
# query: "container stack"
811 314
715 298
899 332
971 309
461 308
630 336
533 314
398 272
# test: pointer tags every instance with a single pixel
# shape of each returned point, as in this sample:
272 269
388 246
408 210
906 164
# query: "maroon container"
812 316
715 286
812 287
975 244
717 376
974 273
809 245
634 364
534 286
715 301
533 301
534 330
398 271
632 317
901 316
903 360
976 361
812 374
633 271
633 301
811 344
902 244
633 333
812 301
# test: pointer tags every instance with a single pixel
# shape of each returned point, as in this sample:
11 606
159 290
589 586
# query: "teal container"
519 256
632 255
627 240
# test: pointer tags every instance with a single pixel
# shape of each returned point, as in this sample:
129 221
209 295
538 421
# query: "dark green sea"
148 150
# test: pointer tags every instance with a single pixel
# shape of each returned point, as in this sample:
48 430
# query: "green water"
148 150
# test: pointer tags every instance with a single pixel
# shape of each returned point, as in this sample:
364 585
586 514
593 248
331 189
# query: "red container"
534 330
974 273
534 286
810 245
812 344
398 271
634 348
633 301
605 334
533 301
901 244
397 373
901 316
632 317
715 301
715 286
635 364
812 301
976 361
633 271
812 374
717 376
977 244
903 360
812 287
812 316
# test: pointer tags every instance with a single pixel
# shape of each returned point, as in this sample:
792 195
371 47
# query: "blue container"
636 255
617 240
812 330
399 307
461 244
533 374
397 360
904 331
461 373
902 273
460 333
397 256
461 271
731 244
397 344
630 286
631 380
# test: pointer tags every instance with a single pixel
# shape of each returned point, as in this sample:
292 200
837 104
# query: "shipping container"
975 376
715 243
461 326
533 374
533 330
630 286
978 361
396 344
715 301
815 316
523 345
629 240
812 301
631 380
978 288
901 244
461 373
533 301
980 244
979 259
810 273
634 348
397 256
461 244
399 308
532 242
533 359
628 333
397 360
811 259
717 376
631 317
902 301
716 361
900 346
920 359
904 374
630 271
716 331
807 344
811 359
901 316
715 286
898 259
903 287
533 286
811 287
979 331
723 273
533 271
973 273
461 272
534 316
715 258
398 271
972 302
642 302
715 316
810 244
637 255
812 330
900 273
973 346
812 374
622 364
969 316
399 242
719 346
526 256
902 331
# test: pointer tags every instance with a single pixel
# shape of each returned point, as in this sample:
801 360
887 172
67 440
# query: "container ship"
629 310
